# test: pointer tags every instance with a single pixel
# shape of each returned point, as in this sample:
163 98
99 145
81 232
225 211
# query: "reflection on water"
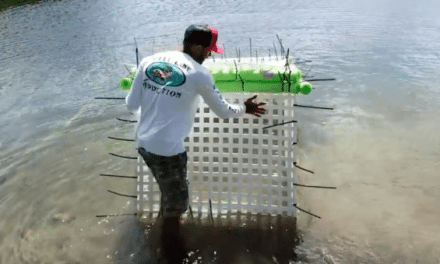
379 146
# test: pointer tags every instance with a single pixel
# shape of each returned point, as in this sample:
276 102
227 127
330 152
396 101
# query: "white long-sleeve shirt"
167 88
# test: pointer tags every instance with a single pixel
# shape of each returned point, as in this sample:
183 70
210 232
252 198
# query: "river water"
380 146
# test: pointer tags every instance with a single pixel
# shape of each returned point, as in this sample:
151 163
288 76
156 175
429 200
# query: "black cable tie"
116 215
305 211
118 176
316 107
242 82
316 80
125 120
111 98
310 186
120 156
282 81
125 195
293 121
294 163
123 139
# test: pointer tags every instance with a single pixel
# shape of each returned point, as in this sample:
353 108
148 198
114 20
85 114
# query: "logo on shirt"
164 73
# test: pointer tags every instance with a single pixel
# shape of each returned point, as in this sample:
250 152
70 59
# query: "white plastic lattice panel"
238 163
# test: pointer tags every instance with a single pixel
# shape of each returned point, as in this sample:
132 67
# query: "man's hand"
253 108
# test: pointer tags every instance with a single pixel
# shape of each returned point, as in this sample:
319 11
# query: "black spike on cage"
236 70
210 212
137 54
315 107
125 120
310 186
191 212
305 211
124 195
122 139
224 50
281 46
135 214
118 176
316 80
284 123
111 98
124 157
294 163
250 48
126 67
305 76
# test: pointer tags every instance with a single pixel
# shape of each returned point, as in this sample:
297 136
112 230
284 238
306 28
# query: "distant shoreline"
13 3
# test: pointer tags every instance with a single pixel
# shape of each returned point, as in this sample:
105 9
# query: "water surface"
379 146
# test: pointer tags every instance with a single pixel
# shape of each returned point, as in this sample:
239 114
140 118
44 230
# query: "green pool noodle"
265 76
296 88
126 83
306 88
295 77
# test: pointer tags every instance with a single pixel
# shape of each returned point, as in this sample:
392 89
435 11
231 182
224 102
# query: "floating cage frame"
235 165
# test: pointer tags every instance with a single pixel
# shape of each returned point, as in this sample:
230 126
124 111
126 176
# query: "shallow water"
379 146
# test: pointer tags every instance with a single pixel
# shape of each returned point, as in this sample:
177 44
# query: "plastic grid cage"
235 162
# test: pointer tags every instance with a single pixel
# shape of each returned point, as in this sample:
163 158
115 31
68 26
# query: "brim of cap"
217 49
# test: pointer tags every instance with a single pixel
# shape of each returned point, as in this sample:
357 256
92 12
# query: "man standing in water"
167 88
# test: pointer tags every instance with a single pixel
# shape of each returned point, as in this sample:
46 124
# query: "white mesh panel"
235 162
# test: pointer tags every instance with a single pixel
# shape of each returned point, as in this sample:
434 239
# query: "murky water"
379 147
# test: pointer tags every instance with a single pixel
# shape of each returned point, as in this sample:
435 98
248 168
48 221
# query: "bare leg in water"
171 242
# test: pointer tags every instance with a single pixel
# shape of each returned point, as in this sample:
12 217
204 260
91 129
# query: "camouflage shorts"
170 174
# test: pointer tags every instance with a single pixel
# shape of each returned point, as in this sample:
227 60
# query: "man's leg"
171 175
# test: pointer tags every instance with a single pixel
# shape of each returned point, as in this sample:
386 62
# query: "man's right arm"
212 96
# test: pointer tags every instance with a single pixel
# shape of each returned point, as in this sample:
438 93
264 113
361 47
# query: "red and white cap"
204 35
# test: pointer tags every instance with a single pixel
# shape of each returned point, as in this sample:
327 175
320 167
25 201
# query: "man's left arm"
134 97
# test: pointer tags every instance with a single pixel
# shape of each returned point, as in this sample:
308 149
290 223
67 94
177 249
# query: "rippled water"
380 146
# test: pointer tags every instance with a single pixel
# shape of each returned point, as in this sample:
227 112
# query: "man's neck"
189 54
